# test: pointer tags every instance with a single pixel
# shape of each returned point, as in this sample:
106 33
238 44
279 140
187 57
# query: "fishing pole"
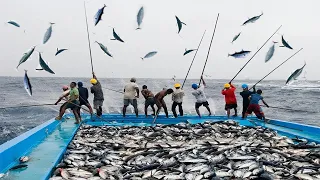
255 54
277 67
85 12
289 109
193 59
205 64
113 90
33 105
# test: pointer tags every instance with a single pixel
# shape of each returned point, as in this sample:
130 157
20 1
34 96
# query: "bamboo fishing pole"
289 109
255 54
193 59
205 64
32 105
85 12
277 67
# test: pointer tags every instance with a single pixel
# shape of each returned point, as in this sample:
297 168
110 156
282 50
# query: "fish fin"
183 23
113 39
282 46
57 49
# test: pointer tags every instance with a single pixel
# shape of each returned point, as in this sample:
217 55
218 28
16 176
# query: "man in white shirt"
177 98
200 97
131 93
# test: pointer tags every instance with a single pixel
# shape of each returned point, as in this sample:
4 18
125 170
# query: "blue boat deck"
46 144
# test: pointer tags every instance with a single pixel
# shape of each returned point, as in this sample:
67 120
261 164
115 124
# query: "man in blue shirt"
254 105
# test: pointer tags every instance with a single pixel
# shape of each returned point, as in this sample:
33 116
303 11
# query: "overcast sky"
299 20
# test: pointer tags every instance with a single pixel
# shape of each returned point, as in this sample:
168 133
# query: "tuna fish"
140 16
60 51
150 54
26 56
27 84
285 43
98 16
236 37
104 49
48 34
188 51
116 36
19 166
13 23
252 20
295 74
44 65
240 54
270 52
179 23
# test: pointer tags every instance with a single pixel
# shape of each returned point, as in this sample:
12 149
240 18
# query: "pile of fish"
212 150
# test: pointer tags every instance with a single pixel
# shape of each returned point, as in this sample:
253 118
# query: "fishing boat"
46 144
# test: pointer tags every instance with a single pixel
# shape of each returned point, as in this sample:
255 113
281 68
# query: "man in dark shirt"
97 92
245 95
83 97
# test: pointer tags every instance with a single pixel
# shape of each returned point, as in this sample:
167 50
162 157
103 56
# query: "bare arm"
137 90
61 98
265 103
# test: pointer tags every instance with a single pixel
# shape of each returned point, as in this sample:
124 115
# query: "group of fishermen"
76 97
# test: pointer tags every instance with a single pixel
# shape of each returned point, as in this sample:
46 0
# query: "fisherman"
72 103
177 98
83 97
131 93
230 98
64 96
97 92
200 97
254 105
160 102
150 101
245 95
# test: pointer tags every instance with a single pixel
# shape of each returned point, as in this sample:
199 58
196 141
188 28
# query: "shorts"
230 106
73 105
202 103
149 102
97 104
133 102
256 109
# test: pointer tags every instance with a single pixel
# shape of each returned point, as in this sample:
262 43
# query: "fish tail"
142 58
138 28
282 46
229 55
183 23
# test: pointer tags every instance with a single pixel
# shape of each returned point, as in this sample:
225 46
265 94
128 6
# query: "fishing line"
193 59
205 64
33 105
255 54
289 109
85 11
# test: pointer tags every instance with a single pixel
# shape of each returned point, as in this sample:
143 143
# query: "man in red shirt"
230 98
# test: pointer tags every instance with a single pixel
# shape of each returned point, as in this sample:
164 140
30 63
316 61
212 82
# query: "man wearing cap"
97 92
83 97
131 93
64 96
245 95
201 98
177 98
230 98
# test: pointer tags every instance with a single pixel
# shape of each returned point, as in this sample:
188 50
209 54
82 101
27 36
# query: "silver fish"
270 52
150 54
240 54
104 49
48 34
27 84
235 37
24 158
13 23
179 23
252 20
116 36
140 16
98 16
26 56
60 51
44 65
285 43
188 51
295 74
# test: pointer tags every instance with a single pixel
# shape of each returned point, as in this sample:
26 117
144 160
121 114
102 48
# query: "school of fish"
211 150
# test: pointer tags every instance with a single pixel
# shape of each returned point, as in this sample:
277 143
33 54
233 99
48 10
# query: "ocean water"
301 96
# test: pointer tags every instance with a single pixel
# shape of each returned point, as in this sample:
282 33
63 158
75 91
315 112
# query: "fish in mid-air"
240 54
98 16
179 23
104 49
48 34
27 84
140 16
252 20
188 51
150 54
44 65
116 36
26 56
13 23
236 37
270 52
60 51
295 74
285 43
